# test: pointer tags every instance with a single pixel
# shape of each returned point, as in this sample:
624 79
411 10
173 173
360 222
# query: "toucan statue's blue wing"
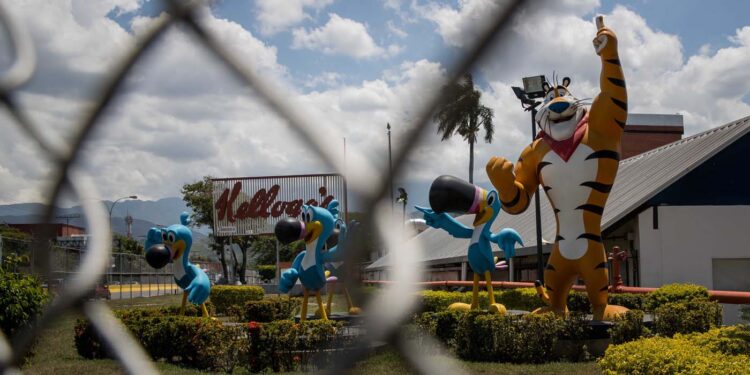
289 277
507 239
445 222
199 288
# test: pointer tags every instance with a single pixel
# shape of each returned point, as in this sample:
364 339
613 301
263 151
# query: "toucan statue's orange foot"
459 306
548 309
608 312
355 310
497 308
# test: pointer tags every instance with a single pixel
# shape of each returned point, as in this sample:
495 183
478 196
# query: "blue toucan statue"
316 225
164 245
339 243
451 194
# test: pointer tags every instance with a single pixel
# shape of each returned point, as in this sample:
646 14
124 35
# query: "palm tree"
463 114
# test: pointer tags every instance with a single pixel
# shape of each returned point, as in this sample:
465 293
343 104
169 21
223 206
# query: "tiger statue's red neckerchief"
565 148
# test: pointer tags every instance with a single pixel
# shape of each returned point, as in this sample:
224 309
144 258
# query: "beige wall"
682 249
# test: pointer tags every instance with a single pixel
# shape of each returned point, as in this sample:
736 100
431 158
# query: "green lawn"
56 354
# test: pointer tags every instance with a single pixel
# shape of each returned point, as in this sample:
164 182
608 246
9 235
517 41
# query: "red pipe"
721 296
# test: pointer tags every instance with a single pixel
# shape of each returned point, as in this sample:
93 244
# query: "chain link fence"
386 310
127 275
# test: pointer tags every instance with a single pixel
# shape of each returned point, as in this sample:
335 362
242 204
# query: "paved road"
142 290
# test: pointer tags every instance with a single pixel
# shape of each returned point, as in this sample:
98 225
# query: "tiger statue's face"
561 111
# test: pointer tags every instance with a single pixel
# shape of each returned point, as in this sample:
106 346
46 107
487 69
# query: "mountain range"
146 214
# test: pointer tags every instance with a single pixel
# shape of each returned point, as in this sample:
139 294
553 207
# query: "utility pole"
390 164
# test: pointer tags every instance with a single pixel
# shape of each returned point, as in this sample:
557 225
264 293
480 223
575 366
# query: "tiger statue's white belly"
563 180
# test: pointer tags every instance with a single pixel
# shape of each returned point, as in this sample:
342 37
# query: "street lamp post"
533 87
390 163
111 207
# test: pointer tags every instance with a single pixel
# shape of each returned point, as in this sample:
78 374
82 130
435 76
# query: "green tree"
264 250
15 248
198 196
464 114
124 244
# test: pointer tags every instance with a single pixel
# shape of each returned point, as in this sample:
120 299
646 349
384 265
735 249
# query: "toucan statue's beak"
484 212
158 255
288 230
452 194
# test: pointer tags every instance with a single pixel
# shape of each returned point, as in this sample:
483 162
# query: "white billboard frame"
246 206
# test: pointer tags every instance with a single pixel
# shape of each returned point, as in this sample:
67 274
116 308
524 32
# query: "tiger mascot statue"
575 158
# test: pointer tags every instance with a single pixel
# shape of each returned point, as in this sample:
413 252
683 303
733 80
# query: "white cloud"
395 30
457 26
324 79
460 26
183 116
275 16
341 36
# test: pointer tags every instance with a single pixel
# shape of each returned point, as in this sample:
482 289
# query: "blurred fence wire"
386 311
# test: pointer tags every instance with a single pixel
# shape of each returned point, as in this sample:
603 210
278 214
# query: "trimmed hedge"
513 299
522 299
226 296
270 309
628 327
207 344
199 343
527 299
674 293
267 272
687 317
661 355
287 346
21 300
732 340
482 336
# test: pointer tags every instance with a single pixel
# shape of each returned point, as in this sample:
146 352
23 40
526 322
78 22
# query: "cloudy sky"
352 66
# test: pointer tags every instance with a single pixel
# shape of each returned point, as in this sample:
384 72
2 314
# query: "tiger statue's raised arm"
610 108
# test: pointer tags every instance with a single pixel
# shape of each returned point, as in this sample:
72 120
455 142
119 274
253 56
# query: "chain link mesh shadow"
386 311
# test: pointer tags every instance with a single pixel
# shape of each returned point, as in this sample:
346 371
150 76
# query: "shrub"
574 329
520 299
195 342
481 336
438 300
732 340
270 309
224 296
628 327
630 300
660 355
579 301
513 299
267 272
21 300
686 317
287 346
441 324
674 293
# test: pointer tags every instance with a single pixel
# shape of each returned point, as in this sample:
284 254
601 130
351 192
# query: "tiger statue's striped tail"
575 159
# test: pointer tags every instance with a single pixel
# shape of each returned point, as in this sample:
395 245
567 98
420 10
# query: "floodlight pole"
539 252
390 165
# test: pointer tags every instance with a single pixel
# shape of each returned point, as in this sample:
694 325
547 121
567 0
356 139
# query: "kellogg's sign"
253 205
